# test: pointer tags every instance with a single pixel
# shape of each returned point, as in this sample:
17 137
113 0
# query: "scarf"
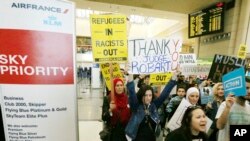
121 113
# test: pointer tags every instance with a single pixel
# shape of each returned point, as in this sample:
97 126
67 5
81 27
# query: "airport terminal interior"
152 19
155 19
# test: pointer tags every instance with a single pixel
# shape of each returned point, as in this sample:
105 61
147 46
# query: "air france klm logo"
39 7
52 20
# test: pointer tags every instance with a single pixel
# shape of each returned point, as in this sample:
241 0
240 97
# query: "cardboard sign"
234 83
105 68
160 79
206 95
175 121
195 70
147 56
109 37
224 64
187 60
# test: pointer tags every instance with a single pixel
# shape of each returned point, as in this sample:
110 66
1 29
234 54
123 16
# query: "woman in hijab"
116 113
193 95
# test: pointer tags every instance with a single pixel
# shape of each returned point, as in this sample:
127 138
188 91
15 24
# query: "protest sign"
206 95
105 68
175 121
160 79
223 64
147 56
195 70
234 82
187 60
109 37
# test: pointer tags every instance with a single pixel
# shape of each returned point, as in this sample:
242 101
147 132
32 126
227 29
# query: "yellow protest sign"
160 79
105 68
109 38
242 51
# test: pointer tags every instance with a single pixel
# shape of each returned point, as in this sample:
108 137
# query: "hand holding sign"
234 82
230 100
175 74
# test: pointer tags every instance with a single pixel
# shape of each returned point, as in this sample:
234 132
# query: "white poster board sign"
187 59
175 121
195 70
147 56
37 70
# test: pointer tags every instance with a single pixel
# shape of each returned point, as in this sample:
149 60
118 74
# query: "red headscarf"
121 112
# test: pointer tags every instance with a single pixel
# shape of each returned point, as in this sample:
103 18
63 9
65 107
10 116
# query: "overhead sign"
147 56
206 21
37 70
242 51
109 37
234 82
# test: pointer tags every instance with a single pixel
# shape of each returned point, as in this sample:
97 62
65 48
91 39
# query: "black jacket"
181 134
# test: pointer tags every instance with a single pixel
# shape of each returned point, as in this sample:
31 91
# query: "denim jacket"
138 112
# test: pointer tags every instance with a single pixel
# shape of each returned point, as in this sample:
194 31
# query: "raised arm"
133 101
223 117
165 93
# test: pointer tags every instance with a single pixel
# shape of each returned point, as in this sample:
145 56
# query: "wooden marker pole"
111 83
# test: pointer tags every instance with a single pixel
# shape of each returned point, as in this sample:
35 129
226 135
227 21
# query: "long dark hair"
187 119
141 92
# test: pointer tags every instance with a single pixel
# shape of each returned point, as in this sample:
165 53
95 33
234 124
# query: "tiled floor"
89 130
89 112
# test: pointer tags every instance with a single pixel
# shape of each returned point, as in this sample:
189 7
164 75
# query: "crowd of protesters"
150 110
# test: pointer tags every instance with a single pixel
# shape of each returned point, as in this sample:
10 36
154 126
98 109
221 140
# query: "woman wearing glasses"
193 126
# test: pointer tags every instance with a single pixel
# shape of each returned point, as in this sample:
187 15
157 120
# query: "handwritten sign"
109 37
224 64
187 60
234 82
160 79
105 68
147 56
